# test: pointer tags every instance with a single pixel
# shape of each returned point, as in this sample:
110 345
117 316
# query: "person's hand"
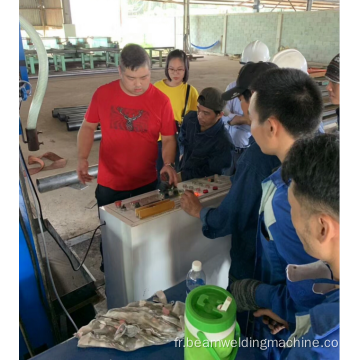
83 171
273 321
171 173
190 204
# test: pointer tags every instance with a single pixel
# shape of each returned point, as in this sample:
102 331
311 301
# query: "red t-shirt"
130 127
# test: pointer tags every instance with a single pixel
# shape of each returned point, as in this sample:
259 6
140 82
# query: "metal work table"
160 51
68 350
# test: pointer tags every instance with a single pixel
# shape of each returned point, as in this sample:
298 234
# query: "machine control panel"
132 208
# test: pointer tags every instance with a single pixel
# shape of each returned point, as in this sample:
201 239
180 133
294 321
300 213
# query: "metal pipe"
57 111
72 118
43 74
64 110
84 72
97 135
59 181
72 126
75 111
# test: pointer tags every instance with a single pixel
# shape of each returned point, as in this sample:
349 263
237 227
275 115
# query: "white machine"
145 253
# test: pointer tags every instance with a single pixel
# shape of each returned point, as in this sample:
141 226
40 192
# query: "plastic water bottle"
195 277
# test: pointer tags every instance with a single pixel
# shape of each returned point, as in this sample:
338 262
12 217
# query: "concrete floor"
66 208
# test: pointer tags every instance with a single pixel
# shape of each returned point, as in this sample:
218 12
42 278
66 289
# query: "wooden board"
158 208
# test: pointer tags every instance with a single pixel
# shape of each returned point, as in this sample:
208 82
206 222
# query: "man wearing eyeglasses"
205 145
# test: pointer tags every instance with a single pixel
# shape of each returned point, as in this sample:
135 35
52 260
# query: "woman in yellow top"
176 88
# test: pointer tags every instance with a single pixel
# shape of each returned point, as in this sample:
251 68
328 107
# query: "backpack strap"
186 100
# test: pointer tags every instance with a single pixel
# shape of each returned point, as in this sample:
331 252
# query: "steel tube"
72 126
80 73
59 181
72 118
75 111
97 135
57 112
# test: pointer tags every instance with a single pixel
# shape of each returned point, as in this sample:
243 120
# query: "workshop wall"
315 34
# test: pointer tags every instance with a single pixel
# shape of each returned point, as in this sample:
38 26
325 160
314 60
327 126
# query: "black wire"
44 225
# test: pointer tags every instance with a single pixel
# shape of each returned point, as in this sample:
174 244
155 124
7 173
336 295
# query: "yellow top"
177 98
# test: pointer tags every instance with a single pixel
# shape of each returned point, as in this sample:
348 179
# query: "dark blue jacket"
204 153
239 211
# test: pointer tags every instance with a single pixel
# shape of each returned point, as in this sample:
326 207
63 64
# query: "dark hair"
178 54
133 56
292 97
247 95
313 164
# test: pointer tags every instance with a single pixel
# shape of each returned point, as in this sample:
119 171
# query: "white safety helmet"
290 58
255 52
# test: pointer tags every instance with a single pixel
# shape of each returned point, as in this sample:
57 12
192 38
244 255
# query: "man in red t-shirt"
132 113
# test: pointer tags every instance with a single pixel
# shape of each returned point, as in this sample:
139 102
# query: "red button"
205 191
215 187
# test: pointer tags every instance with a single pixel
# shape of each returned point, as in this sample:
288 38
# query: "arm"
168 149
234 112
86 138
240 120
168 131
84 143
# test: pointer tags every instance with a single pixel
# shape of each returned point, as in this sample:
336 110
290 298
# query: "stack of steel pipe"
73 116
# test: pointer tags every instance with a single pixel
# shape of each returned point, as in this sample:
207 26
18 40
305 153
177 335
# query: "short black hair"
178 54
133 56
292 97
313 165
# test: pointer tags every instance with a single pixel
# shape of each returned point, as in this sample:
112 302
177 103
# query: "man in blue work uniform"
286 105
312 164
205 145
238 213
236 121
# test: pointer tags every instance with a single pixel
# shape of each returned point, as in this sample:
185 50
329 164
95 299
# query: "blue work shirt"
238 213
317 330
277 246
240 134
204 153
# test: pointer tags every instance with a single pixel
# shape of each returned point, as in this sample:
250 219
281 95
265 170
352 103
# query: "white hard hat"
256 51
290 58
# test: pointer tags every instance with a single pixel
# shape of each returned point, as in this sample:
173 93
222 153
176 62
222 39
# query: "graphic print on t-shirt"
129 119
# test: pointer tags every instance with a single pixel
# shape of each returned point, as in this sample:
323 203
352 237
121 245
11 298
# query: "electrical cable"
42 219
26 338
45 247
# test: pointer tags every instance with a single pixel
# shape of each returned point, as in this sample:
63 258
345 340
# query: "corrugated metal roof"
54 17
33 10
28 4
33 16
297 5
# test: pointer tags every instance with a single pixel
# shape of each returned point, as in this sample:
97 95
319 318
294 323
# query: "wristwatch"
170 164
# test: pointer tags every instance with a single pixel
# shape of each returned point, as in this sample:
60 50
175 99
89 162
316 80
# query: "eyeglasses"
176 70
